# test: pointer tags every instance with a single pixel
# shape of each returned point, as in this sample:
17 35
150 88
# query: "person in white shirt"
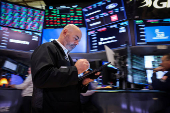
27 89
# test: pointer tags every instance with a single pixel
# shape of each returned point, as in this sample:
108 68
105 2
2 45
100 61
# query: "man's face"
165 63
29 71
72 39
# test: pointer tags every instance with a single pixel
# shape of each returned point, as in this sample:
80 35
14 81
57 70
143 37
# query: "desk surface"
129 91
8 88
110 91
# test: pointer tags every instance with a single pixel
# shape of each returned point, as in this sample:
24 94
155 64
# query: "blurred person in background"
162 84
27 89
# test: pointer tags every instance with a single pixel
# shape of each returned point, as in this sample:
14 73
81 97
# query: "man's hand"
11 86
164 77
98 73
160 68
86 81
82 65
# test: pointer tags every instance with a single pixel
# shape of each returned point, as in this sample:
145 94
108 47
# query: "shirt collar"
65 50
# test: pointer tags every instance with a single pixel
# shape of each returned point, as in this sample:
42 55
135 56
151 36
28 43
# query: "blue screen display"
157 34
52 34
152 31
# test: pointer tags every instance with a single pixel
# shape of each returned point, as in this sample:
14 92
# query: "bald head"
71 27
70 36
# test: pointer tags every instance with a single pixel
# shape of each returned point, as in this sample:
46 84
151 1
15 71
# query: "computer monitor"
10 65
109 74
114 36
58 16
104 13
22 69
20 40
138 70
52 34
21 17
110 55
152 32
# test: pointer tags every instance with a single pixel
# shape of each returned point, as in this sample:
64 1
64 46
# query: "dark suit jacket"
157 84
55 80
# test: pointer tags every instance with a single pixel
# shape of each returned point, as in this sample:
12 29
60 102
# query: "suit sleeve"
45 74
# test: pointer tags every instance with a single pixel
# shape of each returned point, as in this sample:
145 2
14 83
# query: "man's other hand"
82 65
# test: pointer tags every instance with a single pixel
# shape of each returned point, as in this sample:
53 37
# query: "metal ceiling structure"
32 3
42 3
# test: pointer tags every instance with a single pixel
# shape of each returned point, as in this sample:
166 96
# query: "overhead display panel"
114 36
21 17
20 40
60 16
152 31
104 13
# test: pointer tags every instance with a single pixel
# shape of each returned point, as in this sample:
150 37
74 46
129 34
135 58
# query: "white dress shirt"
26 86
65 50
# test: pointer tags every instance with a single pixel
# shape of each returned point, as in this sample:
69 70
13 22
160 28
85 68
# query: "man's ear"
65 32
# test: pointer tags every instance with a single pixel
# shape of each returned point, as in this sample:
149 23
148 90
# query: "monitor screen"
22 69
104 13
152 31
138 70
51 34
10 65
21 17
152 61
139 77
15 39
114 36
109 74
60 16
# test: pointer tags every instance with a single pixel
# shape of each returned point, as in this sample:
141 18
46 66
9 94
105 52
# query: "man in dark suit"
162 84
55 77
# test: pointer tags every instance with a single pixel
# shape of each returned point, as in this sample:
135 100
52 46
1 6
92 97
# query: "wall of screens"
15 39
21 17
138 70
114 36
60 16
152 31
104 13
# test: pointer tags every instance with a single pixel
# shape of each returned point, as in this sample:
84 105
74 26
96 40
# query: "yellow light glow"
3 81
